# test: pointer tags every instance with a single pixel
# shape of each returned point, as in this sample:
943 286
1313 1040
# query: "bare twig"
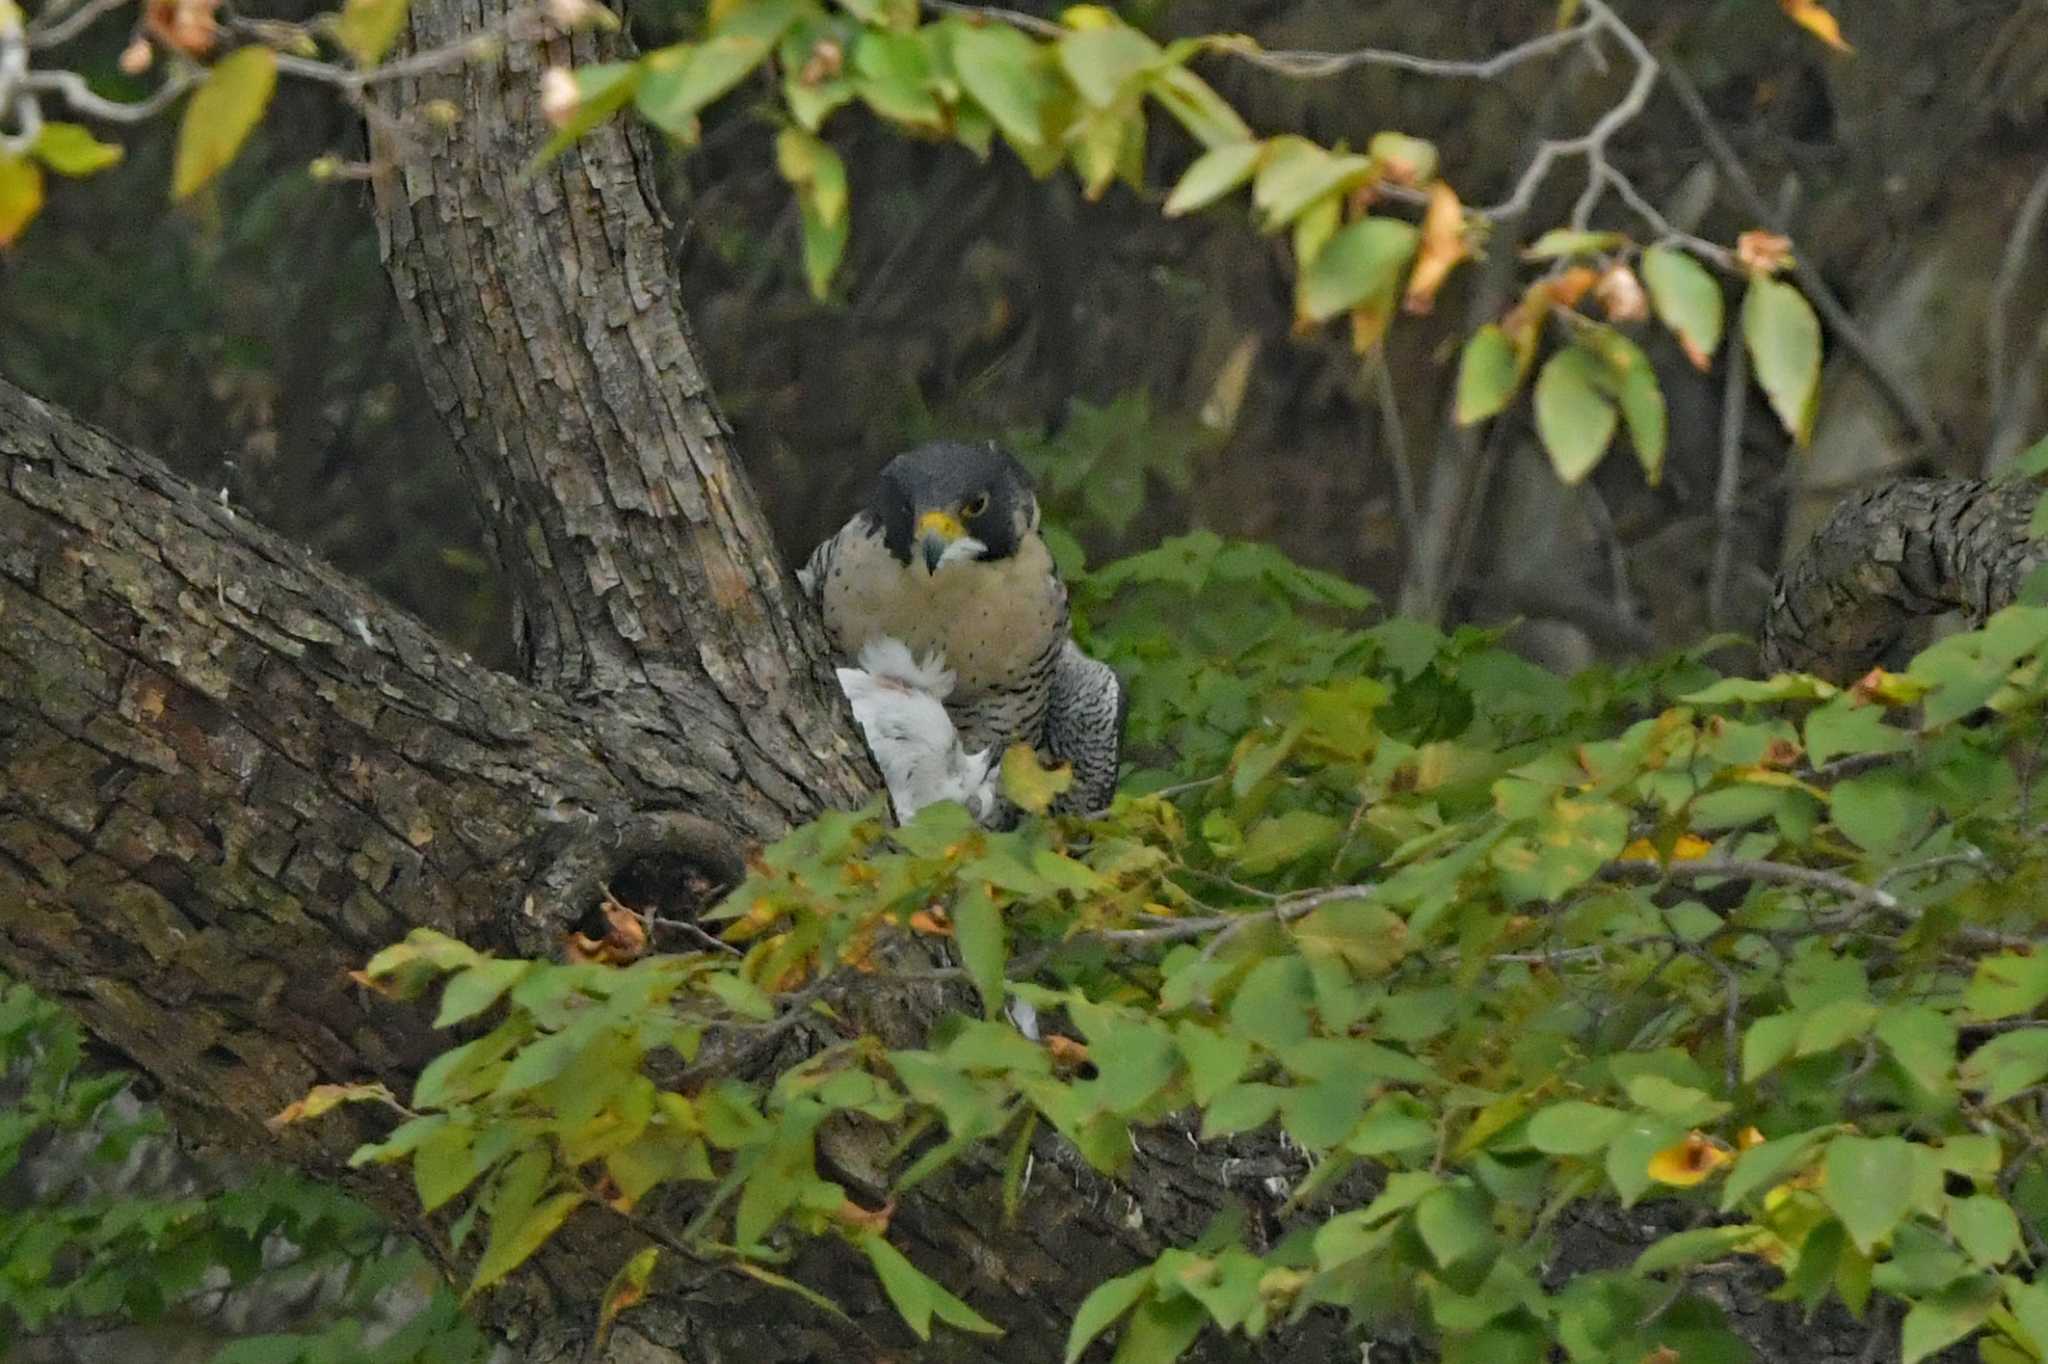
2017 248
70 87
1284 911
1321 65
55 26
1592 145
1728 487
1746 869
1395 433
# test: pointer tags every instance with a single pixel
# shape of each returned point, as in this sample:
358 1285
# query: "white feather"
899 701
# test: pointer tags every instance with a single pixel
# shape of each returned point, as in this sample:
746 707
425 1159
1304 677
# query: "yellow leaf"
221 116
627 1288
21 195
70 149
1689 1162
321 1098
1443 246
1031 786
1688 848
1813 16
366 29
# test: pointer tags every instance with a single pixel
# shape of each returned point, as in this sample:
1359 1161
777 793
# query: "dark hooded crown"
947 476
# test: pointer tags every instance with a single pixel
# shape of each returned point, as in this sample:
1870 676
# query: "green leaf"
470 992
1005 72
1768 1163
1361 263
1561 243
1295 173
679 82
222 113
1102 62
2008 1064
1214 174
366 29
1846 725
1687 299
917 1297
1573 1128
1488 375
896 78
1642 409
1686 1248
1103 1306
1986 1228
1574 418
2029 1303
513 1240
1923 1041
1275 842
1216 1060
1784 346
1882 812
1206 115
601 91
1453 1223
443 1164
1868 1182
1945 1318
71 149
818 176
21 195
1395 1123
1160 1330
978 929
1240 1108
1630 1152
2007 986
1272 1005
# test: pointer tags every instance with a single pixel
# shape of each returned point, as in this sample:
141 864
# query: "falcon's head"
945 503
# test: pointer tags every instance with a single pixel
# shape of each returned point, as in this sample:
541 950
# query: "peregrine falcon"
946 558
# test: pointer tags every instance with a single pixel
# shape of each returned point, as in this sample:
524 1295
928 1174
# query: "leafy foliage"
81 1238
1752 954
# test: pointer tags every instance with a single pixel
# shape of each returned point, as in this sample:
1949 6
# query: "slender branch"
72 89
1285 911
2017 248
1395 432
1728 487
1304 65
1592 145
1746 869
48 30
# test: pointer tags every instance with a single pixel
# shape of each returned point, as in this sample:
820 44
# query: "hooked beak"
936 532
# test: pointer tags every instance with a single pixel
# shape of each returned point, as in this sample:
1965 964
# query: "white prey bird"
900 703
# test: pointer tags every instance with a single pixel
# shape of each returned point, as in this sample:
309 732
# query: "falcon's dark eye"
977 506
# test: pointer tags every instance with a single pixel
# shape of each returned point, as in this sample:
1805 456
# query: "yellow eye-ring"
977 506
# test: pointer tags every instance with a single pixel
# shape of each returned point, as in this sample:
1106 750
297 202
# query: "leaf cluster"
1754 955
87 1239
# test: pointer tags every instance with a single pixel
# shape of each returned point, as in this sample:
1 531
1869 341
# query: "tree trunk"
1910 549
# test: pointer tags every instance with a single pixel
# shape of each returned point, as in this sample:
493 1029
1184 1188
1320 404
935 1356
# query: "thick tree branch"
1917 547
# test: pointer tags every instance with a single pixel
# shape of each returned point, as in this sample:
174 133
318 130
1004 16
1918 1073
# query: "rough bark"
1902 552
545 313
